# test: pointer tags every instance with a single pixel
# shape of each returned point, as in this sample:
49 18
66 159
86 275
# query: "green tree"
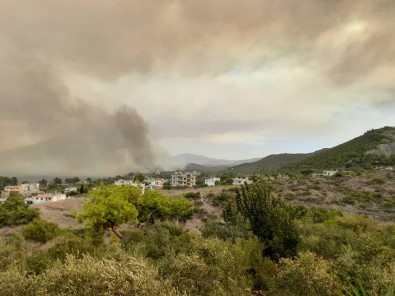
5 181
139 178
270 220
14 211
167 185
57 181
43 183
153 205
110 206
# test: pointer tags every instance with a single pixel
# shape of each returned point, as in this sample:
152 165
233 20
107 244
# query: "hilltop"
374 148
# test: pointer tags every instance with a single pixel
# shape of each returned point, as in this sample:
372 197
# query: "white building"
329 173
69 190
122 182
211 181
240 181
47 197
23 189
184 179
283 177
154 184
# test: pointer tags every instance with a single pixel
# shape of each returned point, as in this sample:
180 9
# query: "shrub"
270 219
89 276
192 195
14 211
40 230
308 275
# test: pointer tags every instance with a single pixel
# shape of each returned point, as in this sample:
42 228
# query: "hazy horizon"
111 87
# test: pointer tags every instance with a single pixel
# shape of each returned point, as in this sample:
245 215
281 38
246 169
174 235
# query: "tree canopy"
14 211
109 206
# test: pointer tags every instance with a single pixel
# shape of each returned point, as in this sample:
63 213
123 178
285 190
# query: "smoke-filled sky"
104 87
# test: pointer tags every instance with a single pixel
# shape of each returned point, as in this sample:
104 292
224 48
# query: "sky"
108 87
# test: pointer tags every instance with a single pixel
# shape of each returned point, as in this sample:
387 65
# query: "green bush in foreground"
88 276
40 230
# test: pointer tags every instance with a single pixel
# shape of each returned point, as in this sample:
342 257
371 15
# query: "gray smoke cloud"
105 40
57 134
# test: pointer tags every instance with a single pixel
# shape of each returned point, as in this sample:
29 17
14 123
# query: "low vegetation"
259 246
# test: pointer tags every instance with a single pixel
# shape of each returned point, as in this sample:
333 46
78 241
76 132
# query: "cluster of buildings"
32 194
23 189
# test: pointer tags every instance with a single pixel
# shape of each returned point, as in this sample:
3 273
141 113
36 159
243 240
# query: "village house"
154 184
46 197
240 181
283 177
327 173
211 181
69 190
122 182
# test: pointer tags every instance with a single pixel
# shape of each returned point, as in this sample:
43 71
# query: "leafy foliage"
269 218
109 207
308 275
40 230
14 211
5 181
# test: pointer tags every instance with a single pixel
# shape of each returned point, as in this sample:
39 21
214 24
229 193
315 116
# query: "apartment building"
184 179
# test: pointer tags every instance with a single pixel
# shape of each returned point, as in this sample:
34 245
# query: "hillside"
269 163
373 148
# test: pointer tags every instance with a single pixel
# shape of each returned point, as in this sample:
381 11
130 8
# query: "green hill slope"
269 163
373 148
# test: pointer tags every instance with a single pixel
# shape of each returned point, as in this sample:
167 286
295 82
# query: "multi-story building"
23 189
183 179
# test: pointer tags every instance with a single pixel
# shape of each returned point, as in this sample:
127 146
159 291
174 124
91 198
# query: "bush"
308 275
40 230
192 195
270 219
14 211
89 276
214 267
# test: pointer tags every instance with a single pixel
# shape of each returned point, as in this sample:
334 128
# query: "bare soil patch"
61 212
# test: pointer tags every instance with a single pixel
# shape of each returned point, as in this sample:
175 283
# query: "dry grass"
61 212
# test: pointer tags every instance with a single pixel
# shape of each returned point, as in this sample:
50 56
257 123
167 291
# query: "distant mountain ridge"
269 163
182 160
